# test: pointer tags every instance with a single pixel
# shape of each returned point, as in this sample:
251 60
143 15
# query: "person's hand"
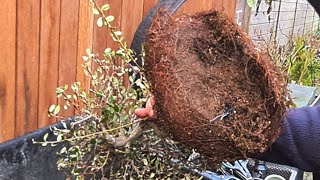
147 111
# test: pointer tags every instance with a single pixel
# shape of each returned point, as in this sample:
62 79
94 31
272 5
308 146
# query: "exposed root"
203 65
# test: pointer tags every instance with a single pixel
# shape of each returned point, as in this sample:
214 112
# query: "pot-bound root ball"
214 91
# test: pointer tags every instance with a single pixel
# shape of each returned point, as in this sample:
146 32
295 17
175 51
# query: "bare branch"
123 141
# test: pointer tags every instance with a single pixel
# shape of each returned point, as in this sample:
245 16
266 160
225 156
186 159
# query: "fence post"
277 24
314 14
305 19
294 20
246 17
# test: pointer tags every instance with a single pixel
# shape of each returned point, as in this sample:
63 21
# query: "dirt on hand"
214 91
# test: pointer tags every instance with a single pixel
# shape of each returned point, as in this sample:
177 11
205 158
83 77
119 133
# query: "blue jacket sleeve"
299 143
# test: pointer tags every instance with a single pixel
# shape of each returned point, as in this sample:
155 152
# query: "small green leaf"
131 79
105 7
119 74
135 68
75 87
100 22
120 52
59 95
116 108
115 118
63 150
59 137
107 50
75 97
51 108
56 110
85 58
145 162
152 175
251 3
95 11
118 33
109 18
64 124
45 137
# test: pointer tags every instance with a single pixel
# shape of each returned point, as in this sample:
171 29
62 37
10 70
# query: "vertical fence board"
100 34
49 59
68 46
27 66
131 18
227 5
203 5
192 7
217 4
189 7
231 9
147 5
84 39
7 69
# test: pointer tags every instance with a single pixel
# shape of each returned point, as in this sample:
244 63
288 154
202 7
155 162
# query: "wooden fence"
42 42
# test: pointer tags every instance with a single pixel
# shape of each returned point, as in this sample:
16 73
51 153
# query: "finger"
150 113
150 103
141 112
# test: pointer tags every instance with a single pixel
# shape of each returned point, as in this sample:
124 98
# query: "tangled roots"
213 90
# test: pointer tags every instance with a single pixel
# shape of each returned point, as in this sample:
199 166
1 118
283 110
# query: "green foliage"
98 146
302 63
298 60
251 3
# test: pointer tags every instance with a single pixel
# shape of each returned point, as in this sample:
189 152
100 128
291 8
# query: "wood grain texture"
7 69
185 8
100 34
84 39
131 17
27 66
210 4
69 22
192 6
217 4
229 7
147 5
49 59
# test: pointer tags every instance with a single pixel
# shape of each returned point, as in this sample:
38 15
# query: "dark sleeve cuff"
299 143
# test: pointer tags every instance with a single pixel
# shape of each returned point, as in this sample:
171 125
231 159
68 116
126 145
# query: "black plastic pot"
20 159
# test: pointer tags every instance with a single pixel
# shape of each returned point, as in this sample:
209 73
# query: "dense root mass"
213 90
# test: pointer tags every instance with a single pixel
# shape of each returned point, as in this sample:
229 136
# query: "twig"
117 142
116 37
82 120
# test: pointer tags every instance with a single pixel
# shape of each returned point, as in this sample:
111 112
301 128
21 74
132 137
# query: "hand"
147 111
